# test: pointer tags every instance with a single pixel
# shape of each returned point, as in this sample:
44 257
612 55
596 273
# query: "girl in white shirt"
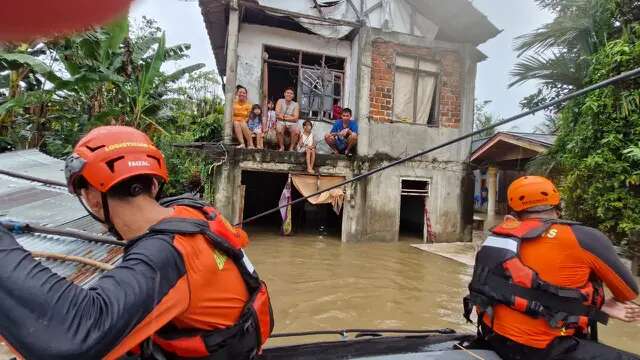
308 145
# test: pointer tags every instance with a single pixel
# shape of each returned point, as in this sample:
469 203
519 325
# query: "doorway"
262 191
413 203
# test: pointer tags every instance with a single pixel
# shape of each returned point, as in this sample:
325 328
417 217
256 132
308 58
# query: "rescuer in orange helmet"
184 287
537 282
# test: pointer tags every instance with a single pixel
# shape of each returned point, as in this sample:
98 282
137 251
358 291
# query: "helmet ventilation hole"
521 197
156 159
544 193
94 148
112 163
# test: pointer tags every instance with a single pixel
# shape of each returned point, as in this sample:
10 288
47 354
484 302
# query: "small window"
415 91
415 188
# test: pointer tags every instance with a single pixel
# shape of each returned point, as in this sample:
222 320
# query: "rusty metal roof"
36 203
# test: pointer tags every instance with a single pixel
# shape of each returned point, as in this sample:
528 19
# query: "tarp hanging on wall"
309 184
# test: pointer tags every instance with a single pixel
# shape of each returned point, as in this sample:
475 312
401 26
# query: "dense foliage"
597 146
596 158
51 93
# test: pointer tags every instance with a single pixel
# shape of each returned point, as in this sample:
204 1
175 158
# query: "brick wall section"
382 77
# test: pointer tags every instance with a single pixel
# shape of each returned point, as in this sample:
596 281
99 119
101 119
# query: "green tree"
596 158
58 90
100 77
597 147
558 54
483 118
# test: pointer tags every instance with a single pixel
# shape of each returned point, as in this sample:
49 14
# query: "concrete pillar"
231 71
492 187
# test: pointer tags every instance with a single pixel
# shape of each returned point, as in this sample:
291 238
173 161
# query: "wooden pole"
240 214
492 185
231 78
78 259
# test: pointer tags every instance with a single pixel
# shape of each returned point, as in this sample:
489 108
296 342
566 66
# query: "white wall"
253 38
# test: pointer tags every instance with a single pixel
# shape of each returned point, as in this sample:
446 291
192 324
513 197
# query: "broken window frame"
433 118
304 114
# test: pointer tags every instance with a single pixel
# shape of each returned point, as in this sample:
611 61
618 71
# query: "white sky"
183 22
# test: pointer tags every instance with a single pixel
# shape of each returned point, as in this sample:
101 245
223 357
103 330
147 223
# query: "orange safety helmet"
110 154
533 193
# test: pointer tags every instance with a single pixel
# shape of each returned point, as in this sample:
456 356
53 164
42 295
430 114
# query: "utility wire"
624 76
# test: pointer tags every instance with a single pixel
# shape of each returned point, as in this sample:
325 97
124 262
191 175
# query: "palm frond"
557 69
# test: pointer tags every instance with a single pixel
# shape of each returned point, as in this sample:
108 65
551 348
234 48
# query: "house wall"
381 206
253 38
382 80
379 196
372 206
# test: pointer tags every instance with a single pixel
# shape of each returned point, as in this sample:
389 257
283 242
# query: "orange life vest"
257 315
500 277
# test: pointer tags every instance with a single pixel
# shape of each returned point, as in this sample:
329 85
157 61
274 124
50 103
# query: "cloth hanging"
285 212
309 184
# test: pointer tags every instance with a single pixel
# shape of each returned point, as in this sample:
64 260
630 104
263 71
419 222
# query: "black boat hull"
388 347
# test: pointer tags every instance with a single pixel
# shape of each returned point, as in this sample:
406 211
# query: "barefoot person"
288 113
307 145
344 134
255 125
241 111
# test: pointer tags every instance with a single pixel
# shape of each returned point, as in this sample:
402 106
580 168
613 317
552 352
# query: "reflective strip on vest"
502 242
247 262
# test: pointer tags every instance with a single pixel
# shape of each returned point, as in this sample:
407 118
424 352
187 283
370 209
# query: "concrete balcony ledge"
273 160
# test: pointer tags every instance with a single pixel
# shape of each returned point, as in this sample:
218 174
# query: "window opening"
415 97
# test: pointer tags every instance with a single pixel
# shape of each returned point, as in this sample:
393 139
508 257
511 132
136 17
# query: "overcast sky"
183 22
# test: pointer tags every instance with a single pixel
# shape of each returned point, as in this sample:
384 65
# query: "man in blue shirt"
344 134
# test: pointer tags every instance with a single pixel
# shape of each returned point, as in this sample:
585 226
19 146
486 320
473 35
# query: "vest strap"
554 304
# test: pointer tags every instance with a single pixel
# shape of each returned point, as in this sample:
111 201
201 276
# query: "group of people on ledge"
253 128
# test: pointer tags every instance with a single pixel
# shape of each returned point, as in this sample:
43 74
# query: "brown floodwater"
319 283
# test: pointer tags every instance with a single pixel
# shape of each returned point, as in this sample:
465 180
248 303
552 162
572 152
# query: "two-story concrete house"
406 67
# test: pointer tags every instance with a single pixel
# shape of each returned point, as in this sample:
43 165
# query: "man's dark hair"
289 88
132 187
238 87
347 110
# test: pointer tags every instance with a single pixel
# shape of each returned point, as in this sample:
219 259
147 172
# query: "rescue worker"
184 288
537 279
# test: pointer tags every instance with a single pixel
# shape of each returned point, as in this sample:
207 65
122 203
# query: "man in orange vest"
184 288
537 282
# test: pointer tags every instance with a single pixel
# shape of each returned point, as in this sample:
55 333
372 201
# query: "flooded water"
322 284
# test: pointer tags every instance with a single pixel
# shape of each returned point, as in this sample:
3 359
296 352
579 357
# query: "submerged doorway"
262 192
413 203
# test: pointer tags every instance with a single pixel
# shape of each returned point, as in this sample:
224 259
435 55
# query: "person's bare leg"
311 159
237 128
280 136
331 141
351 142
295 134
247 135
260 140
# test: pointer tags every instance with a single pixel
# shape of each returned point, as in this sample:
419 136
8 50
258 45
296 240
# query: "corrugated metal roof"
33 163
547 139
48 205
83 275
